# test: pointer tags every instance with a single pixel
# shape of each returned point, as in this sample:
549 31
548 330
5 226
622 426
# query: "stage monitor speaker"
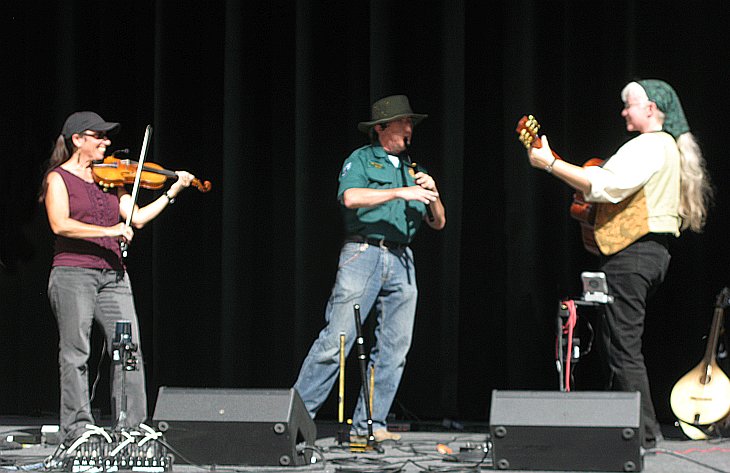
555 430
235 426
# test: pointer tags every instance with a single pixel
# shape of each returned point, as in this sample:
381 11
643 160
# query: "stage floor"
418 450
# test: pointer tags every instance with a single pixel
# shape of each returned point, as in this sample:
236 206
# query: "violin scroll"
202 186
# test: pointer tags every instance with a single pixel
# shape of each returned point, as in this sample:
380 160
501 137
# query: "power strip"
97 450
99 455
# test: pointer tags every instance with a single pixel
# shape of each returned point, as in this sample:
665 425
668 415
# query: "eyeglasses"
629 105
99 135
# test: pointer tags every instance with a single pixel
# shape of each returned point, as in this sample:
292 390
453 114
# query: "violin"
114 172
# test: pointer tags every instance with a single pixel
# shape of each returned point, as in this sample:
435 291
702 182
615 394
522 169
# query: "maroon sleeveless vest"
88 203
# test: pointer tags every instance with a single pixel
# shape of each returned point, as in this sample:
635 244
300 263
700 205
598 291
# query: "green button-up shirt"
396 220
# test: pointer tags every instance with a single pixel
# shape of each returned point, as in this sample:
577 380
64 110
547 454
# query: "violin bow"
135 188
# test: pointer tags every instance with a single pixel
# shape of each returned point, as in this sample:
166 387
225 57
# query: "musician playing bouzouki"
654 186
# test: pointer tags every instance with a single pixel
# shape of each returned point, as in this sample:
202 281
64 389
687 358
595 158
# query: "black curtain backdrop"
262 98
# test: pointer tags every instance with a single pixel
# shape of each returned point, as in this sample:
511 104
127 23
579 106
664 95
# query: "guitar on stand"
702 396
582 211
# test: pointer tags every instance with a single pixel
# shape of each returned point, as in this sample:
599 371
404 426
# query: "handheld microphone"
407 161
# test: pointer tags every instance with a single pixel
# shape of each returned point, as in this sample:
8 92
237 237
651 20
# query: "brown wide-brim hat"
388 109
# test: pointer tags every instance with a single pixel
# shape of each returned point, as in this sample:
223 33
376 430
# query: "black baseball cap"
80 121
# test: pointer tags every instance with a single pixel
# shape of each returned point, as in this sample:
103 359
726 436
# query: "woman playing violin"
88 279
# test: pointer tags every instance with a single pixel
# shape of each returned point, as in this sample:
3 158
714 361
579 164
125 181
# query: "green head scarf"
666 99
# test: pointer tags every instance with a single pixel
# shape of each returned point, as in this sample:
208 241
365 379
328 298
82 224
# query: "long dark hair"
61 152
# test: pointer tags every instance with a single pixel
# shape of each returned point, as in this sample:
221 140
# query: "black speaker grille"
209 426
223 405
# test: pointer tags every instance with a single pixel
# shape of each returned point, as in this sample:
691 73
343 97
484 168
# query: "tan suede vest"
619 225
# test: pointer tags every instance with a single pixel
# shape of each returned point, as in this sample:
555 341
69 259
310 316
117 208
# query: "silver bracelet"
549 167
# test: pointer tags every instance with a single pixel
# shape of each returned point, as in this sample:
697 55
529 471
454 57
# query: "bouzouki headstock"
527 129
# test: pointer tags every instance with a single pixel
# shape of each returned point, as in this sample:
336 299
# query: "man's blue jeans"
78 296
368 275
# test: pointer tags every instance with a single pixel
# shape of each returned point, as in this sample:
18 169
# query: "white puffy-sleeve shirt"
651 161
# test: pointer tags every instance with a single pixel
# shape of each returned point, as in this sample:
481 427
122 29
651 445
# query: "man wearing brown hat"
384 200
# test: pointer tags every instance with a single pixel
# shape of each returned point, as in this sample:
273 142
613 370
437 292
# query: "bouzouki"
702 396
584 212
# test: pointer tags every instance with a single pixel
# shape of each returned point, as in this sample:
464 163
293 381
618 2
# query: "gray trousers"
78 296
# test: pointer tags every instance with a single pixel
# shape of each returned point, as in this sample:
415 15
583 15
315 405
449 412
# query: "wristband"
170 199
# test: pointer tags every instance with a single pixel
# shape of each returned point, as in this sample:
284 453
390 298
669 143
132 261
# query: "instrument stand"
123 353
595 294
566 341
706 382
371 444
560 337
343 432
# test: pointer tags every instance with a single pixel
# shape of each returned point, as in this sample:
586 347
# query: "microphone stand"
123 353
371 443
